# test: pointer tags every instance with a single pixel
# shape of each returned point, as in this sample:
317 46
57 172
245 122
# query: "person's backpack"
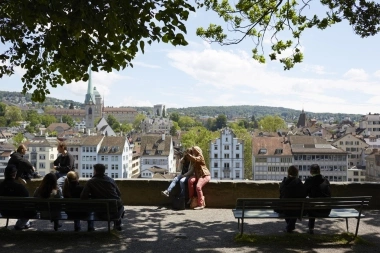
178 203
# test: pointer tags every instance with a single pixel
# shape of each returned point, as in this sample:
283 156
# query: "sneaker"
165 193
24 227
198 208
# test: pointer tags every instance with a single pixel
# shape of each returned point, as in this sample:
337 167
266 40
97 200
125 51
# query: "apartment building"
271 158
373 166
356 175
354 146
5 151
42 152
88 155
156 125
227 156
371 124
308 150
157 150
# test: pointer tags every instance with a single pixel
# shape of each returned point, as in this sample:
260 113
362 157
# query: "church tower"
89 104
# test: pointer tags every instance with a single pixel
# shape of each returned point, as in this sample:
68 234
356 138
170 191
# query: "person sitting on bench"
317 187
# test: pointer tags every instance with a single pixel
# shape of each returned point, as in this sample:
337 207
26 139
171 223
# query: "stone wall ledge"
223 193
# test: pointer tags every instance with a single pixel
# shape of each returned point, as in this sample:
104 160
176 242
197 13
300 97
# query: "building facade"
354 147
227 156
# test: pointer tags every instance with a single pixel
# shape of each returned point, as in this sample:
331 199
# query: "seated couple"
194 170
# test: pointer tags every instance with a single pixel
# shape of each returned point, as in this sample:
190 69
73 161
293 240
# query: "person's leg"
201 182
77 226
182 183
61 181
173 183
291 225
22 224
190 186
117 224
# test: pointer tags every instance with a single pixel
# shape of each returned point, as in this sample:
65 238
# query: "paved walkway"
159 229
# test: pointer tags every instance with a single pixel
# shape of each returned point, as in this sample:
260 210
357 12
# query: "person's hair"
293 171
10 171
22 146
100 169
71 177
315 169
48 184
62 145
198 150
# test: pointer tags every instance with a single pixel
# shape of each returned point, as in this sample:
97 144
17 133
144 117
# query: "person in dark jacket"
11 188
63 164
292 187
72 189
185 163
317 187
100 186
25 169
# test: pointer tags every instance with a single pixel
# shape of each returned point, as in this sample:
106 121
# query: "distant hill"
254 110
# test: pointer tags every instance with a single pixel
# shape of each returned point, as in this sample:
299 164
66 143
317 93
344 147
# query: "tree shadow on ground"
159 229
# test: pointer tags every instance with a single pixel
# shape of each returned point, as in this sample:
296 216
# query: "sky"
340 74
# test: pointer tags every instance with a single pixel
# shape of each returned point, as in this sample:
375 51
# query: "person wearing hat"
11 188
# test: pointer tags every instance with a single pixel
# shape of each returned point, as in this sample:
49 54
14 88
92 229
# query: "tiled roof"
66 112
318 151
74 141
41 142
118 109
54 126
306 140
112 145
154 145
273 145
91 140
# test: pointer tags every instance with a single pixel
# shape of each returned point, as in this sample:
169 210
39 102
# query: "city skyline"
340 74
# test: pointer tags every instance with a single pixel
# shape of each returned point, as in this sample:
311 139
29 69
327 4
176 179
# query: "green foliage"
126 127
53 134
68 120
199 136
137 122
12 114
112 122
46 120
3 121
221 121
174 129
286 20
174 116
186 122
271 123
2 109
18 139
56 41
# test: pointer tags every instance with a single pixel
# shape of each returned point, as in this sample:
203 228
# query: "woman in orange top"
201 176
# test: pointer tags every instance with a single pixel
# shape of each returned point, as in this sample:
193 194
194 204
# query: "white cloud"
137 63
236 79
318 69
377 73
130 101
356 74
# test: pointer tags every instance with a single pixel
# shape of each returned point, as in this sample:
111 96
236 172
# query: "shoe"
56 226
118 228
165 193
310 231
122 215
90 229
77 229
24 227
198 208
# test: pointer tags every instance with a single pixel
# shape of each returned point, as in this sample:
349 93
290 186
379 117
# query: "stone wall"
223 194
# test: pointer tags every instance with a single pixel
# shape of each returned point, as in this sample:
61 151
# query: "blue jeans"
182 183
22 222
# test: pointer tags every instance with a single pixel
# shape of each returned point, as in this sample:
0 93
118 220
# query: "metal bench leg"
347 224
6 225
238 223
109 226
357 227
241 228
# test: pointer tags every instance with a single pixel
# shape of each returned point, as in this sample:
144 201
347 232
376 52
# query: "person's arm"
85 192
23 164
68 164
189 173
195 158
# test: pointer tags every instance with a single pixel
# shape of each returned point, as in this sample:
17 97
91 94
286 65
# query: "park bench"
263 208
60 209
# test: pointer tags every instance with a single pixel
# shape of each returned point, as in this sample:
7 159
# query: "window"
215 174
215 165
237 155
237 147
261 160
226 155
51 157
262 151
226 147
83 149
42 157
41 165
237 174
237 165
215 155
215 147
42 149
356 173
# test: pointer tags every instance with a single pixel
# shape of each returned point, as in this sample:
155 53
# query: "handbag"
194 202
178 203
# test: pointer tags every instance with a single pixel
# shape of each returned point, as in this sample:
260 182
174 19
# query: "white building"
156 125
42 153
354 147
157 150
371 124
227 156
356 175
5 152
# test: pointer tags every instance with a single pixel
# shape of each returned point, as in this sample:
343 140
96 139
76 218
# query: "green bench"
58 209
263 208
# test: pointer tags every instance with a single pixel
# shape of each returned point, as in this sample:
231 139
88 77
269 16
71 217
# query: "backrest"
270 203
337 202
23 204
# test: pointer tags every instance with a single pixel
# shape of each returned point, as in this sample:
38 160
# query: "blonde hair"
71 176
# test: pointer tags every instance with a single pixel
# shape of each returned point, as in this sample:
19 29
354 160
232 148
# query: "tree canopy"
284 21
57 41
271 123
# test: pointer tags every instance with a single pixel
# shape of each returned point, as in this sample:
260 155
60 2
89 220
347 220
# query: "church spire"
89 96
